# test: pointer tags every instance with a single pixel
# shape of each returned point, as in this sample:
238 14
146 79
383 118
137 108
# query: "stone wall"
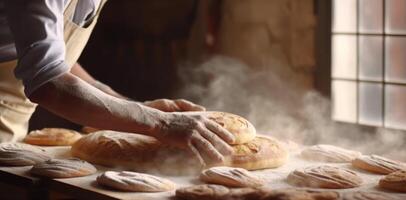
271 33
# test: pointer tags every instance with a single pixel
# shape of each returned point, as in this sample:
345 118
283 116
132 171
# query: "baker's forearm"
78 101
78 71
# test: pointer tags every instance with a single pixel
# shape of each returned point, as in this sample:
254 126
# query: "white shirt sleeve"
37 27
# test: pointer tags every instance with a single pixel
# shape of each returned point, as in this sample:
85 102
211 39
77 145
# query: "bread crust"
63 168
395 181
329 153
135 182
326 176
52 137
378 164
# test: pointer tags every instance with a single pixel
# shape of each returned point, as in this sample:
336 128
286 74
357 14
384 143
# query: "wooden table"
87 188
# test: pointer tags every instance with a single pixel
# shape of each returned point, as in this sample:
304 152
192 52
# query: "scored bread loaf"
20 154
135 182
139 152
378 164
242 129
232 177
324 176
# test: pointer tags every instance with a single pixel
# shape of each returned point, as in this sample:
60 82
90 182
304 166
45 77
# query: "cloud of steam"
274 101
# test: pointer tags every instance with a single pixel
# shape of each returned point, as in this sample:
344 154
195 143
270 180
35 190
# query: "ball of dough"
63 168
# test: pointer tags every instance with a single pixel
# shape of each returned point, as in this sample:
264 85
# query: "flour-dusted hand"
193 131
177 105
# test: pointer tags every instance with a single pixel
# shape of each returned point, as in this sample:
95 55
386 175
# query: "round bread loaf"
135 182
369 195
18 154
229 176
52 137
260 153
324 177
329 153
395 181
216 192
378 164
116 149
63 168
242 129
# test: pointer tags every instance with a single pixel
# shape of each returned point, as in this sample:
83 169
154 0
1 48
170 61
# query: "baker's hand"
203 137
177 105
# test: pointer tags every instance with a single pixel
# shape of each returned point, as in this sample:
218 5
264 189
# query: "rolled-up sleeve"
37 27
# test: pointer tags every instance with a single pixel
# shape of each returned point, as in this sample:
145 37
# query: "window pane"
395 106
371 58
344 100
395 16
395 59
344 16
370 104
344 56
371 16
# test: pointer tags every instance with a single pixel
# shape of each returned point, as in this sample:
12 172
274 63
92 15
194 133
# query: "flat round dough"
329 153
242 129
135 182
369 195
52 137
19 154
63 168
232 177
329 177
395 181
260 153
378 164
216 192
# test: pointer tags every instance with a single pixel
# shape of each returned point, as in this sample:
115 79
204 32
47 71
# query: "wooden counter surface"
86 187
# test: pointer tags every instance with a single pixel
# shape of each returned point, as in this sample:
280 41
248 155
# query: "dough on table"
326 176
232 177
329 153
395 181
135 182
19 154
378 164
63 168
52 137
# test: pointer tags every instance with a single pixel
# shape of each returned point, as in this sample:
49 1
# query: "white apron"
15 107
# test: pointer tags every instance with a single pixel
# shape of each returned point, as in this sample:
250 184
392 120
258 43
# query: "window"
369 62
